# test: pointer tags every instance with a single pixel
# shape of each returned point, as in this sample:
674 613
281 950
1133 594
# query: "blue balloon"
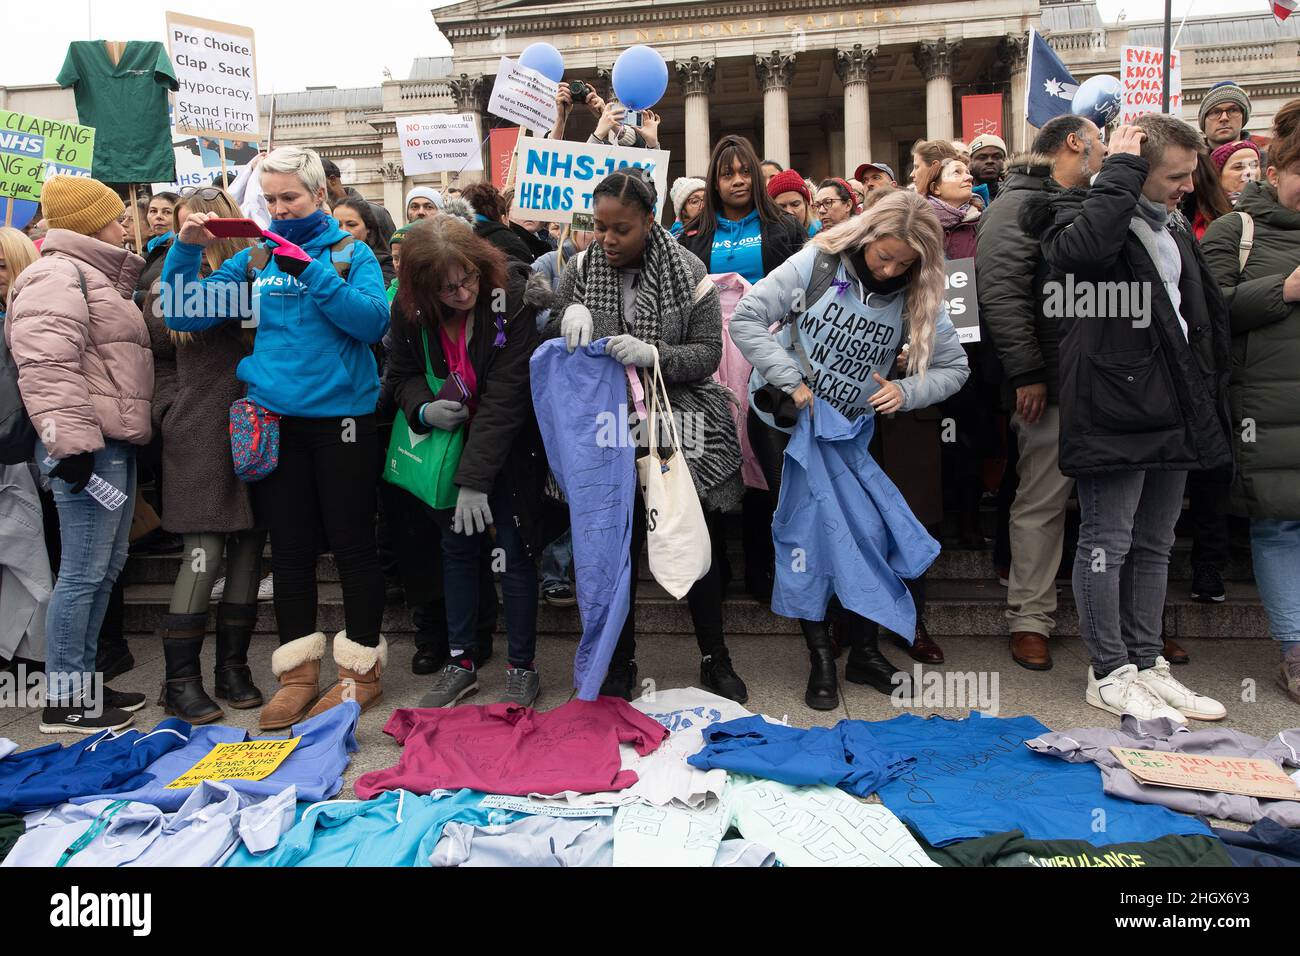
24 210
1098 99
640 77
545 59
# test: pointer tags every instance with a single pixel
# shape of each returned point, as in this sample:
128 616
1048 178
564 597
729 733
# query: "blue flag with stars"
1051 87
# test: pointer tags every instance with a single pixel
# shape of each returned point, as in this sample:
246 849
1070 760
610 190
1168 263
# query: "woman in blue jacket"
882 314
312 365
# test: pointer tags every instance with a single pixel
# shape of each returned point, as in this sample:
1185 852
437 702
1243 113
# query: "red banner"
501 146
980 115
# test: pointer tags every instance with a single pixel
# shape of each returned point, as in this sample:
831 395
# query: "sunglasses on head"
206 193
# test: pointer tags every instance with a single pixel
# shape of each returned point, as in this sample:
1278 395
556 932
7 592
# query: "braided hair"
632 184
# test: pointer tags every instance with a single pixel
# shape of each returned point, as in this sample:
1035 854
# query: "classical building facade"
820 85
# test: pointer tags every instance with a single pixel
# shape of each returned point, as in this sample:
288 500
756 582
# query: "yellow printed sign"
1250 776
250 760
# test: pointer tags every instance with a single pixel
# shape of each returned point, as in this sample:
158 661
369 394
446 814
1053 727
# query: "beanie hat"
400 233
1222 154
423 192
1221 93
788 181
988 139
682 188
79 203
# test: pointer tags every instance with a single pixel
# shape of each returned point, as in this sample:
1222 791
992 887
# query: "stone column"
774 73
854 68
1013 52
470 94
394 190
937 61
695 76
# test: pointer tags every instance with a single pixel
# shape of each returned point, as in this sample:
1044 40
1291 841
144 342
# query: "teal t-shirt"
126 103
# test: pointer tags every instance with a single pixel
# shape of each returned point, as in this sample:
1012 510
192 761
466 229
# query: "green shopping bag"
425 465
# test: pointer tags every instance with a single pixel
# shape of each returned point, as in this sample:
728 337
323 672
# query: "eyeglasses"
1227 112
827 204
468 283
206 193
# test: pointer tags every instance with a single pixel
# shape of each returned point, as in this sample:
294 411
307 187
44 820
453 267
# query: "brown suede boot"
360 670
297 666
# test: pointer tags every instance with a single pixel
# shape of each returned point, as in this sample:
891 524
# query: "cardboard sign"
441 143
963 304
1249 776
32 149
980 115
216 69
524 96
554 179
1141 73
249 760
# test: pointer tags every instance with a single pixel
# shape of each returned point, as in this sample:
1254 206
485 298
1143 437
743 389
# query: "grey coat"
200 492
25 579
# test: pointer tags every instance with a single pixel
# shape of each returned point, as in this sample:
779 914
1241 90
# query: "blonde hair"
215 255
297 161
19 252
907 217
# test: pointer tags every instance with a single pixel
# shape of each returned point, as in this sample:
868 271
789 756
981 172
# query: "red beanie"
788 181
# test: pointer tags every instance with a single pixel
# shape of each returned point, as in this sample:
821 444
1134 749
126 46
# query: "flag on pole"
1051 87
1284 8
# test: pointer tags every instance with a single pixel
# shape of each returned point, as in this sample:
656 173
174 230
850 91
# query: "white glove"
630 350
576 326
472 512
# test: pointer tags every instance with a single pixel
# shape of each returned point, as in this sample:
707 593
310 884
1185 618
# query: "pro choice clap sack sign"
554 179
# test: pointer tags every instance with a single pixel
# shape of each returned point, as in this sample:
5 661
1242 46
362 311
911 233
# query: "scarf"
302 231
1154 214
950 217
666 294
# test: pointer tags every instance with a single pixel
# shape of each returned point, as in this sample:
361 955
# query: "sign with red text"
1141 76
1249 776
981 115
438 143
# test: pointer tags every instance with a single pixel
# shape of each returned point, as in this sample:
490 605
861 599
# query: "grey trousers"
1121 569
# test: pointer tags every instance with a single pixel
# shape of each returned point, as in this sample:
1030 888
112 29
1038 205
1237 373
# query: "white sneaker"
1178 696
219 589
266 589
1120 692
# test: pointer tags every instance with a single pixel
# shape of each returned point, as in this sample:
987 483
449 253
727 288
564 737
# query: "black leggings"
325 481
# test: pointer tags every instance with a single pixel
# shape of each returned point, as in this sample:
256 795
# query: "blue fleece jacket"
738 247
312 356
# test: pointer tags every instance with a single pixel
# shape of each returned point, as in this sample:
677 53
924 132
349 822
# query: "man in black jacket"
1010 273
1143 393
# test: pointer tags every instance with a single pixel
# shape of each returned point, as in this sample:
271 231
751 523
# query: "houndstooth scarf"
665 300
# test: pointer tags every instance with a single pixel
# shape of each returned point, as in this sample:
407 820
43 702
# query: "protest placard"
1220 773
217 73
32 149
554 179
249 760
1141 71
198 160
439 143
524 96
959 294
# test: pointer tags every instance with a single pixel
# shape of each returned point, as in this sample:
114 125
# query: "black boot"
182 690
866 665
823 691
234 679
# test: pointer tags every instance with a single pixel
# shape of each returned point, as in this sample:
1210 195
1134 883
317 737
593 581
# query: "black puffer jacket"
503 434
1009 277
1135 394
504 238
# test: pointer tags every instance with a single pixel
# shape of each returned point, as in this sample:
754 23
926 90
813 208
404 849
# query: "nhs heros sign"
434 144
217 75
959 296
554 179
32 149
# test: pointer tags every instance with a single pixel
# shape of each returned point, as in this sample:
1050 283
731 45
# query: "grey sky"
322 43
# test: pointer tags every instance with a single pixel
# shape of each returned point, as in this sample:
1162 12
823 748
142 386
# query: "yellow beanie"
79 203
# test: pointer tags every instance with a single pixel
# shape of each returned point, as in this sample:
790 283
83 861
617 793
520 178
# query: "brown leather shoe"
1030 650
924 649
297 666
1174 654
360 668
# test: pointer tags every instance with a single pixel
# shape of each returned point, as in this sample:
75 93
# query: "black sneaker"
77 720
429 658
620 680
1207 584
122 700
717 674
559 595
113 659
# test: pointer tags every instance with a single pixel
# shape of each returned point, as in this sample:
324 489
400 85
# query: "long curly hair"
907 217
429 249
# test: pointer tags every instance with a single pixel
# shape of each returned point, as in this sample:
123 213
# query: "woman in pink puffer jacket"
85 373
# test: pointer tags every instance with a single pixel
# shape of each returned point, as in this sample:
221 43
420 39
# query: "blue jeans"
557 561
1121 570
461 556
94 542
1275 548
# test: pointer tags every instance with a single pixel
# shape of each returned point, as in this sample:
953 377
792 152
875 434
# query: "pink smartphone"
234 228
